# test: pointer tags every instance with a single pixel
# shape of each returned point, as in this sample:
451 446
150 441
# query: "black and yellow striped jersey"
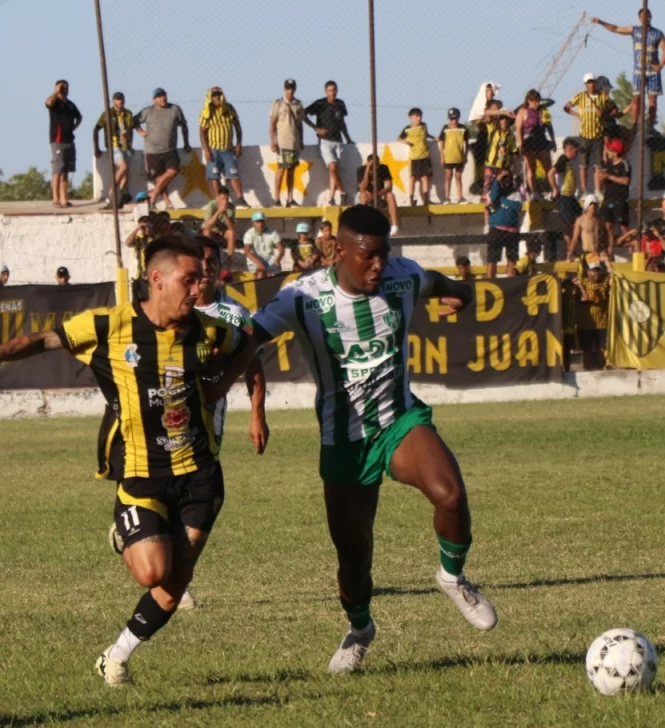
151 377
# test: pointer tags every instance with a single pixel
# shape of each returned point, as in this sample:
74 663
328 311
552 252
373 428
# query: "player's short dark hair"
209 243
365 220
224 191
172 246
571 142
415 110
330 83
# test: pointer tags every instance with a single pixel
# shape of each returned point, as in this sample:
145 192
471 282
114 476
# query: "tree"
622 95
30 185
84 190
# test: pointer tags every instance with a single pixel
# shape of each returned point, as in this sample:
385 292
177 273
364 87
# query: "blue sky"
434 58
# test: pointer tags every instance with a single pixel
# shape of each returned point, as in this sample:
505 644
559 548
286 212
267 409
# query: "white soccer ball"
621 660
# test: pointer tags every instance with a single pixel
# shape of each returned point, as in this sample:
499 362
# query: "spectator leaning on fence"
306 255
385 194
587 230
65 118
330 126
122 130
4 276
217 122
263 248
563 181
592 109
286 140
220 223
326 243
162 162
454 149
415 136
505 202
592 312
615 177
532 131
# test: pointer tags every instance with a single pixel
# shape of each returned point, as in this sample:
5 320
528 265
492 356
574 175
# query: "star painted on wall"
298 175
194 173
395 166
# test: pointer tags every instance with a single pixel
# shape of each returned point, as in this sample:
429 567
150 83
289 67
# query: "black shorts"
146 507
617 213
569 209
592 338
591 152
500 239
157 164
536 143
421 168
454 167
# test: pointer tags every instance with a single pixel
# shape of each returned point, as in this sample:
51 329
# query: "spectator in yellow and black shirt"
122 130
592 312
501 151
217 122
139 239
454 148
526 265
563 181
415 136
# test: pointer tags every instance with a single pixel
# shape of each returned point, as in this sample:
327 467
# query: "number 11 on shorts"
133 521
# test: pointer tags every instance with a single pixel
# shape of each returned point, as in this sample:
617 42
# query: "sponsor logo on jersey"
132 357
398 288
176 419
178 441
338 328
225 314
321 305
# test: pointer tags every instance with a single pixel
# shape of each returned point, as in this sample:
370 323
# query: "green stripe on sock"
453 555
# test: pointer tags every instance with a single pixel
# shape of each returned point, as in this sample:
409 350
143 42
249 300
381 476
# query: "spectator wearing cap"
64 118
526 265
330 127
62 276
263 247
385 194
587 230
454 149
162 162
615 177
217 123
122 130
563 181
286 140
4 276
592 109
593 298
415 136
534 145
305 254
464 269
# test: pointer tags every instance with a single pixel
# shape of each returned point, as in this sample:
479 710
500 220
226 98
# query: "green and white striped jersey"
356 346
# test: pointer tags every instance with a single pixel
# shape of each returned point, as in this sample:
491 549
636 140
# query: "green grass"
568 541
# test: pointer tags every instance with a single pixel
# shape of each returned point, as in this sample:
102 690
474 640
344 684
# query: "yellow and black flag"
637 321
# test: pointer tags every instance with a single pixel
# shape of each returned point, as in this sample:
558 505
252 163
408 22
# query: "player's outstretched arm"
23 347
458 295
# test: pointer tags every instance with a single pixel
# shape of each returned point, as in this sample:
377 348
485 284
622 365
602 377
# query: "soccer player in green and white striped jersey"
352 321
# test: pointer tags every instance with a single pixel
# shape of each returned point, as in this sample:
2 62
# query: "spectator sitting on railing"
526 265
615 176
563 181
592 312
505 206
531 132
587 229
464 269
4 276
326 242
305 254
385 194
454 149
415 136
263 248
219 222
501 149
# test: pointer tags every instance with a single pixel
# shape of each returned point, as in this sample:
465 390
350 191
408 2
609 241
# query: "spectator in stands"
306 256
505 203
263 248
385 194
478 115
415 136
454 149
62 276
592 109
217 122
526 265
655 49
563 181
162 162
122 130
65 118
330 126
587 229
532 139
220 222
4 276
615 177
650 241
464 269
138 240
326 242
161 225
592 313
501 150
286 140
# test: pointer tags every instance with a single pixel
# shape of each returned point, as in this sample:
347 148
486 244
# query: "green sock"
453 555
358 615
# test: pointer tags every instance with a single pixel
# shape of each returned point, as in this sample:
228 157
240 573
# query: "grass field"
568 528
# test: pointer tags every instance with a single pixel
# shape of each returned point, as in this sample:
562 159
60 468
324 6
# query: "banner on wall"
31 309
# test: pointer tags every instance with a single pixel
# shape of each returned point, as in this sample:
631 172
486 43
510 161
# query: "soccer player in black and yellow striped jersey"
153 360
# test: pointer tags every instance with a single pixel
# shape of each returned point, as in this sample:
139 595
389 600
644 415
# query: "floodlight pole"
109 132
642 120
372 93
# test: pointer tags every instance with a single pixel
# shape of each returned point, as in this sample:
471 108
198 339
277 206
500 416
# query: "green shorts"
363 462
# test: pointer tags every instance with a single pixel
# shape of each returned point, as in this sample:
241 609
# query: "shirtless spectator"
587 229
385 194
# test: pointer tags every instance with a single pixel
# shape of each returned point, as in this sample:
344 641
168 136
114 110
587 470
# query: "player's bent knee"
150 575
448 494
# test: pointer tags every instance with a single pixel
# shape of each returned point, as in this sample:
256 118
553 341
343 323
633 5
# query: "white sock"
124 646
449 578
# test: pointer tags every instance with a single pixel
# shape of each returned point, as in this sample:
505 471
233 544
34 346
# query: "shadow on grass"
64 716
279 676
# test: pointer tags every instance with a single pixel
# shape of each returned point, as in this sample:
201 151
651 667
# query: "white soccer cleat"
475 607
114 672
354 647
187 601
116 541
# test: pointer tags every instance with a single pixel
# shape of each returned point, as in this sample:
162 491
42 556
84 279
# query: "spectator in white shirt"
263 248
